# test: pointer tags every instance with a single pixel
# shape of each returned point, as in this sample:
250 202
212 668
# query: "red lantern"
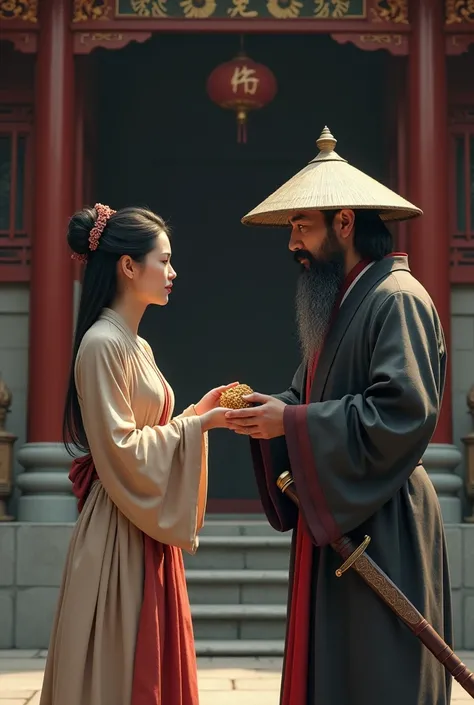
241 85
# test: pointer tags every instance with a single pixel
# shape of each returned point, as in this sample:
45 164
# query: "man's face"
311 238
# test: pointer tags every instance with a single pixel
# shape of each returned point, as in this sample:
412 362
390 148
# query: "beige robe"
153 479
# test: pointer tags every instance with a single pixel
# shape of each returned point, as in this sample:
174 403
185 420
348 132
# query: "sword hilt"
285 483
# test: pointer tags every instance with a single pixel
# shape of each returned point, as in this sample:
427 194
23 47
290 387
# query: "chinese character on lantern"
241 85
243 76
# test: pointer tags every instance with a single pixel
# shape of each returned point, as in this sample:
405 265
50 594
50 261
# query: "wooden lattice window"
462 196
15 193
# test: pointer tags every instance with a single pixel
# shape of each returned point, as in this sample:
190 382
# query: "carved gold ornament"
284 9
459 11
149 8
391 11
381 39
19 10
331 8
100 37
85 10
198 9
239 9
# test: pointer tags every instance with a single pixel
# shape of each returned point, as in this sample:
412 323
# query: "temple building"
198 109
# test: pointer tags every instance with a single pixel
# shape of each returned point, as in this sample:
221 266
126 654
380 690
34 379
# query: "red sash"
165 670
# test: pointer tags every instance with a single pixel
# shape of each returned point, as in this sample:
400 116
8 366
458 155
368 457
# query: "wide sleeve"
156 476
350 456
270 459
202 499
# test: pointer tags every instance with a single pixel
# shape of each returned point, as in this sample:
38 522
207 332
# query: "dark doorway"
165 145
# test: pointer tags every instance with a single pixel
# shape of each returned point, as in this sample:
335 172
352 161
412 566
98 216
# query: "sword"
356 558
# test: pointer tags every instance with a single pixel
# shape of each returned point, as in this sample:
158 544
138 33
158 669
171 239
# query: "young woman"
122 633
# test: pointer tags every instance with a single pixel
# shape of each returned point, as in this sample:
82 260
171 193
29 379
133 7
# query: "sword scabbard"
355 557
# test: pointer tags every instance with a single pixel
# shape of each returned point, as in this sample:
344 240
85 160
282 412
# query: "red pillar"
51 287
79 127
402 149
428 179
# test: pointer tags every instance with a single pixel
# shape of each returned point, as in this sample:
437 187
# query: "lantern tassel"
242 127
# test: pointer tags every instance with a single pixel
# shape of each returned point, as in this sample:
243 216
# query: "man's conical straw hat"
329 182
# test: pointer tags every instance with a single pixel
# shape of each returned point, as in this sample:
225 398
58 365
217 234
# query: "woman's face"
152 280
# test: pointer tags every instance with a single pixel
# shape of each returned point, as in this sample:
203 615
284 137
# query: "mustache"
300 255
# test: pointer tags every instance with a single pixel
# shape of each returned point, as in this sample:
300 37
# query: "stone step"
243 622
204 647
238 527
236 516
240 647
242 576
241 552
237 586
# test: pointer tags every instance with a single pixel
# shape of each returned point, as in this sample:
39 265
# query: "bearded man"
352 428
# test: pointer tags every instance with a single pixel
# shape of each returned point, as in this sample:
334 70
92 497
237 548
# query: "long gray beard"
316 294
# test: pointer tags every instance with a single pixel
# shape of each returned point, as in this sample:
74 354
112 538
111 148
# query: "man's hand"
265 421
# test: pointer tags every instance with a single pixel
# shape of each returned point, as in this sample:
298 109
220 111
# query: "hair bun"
79 230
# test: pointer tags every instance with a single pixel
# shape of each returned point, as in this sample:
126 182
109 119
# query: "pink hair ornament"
103 214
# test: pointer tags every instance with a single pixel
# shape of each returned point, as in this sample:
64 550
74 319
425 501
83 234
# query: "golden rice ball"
232 398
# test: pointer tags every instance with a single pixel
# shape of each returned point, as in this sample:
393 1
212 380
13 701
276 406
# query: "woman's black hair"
372 239
130 231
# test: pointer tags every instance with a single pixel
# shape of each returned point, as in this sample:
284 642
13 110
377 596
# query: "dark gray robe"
354 453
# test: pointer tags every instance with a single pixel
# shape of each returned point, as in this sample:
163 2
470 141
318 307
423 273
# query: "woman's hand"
211 399
215 418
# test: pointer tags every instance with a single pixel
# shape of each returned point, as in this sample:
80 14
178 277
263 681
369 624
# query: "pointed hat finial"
326 144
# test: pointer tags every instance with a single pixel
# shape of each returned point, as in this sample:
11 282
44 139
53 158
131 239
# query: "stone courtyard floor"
222 681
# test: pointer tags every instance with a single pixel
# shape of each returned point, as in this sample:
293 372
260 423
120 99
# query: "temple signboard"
458 13
394 12
233 9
